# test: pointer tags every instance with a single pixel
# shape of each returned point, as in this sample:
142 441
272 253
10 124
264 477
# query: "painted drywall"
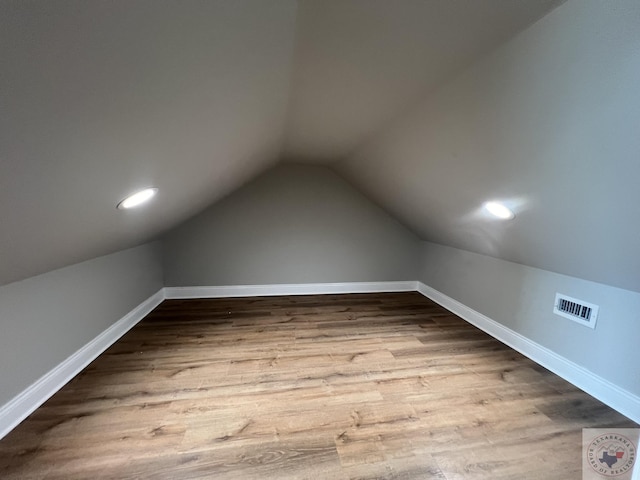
547 123
521 298
294 224
47 318
102 98
360 63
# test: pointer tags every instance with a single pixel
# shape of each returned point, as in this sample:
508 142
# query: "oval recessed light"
137 198
499 210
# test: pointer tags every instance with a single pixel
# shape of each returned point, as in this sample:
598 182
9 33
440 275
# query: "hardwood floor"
307 387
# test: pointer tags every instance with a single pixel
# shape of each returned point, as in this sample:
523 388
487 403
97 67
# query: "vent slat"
574 309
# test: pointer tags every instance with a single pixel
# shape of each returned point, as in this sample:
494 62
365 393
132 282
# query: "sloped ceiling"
98 99
102 98
360 64
548 123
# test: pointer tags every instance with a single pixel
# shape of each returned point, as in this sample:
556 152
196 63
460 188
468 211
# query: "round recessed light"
137 198
499 210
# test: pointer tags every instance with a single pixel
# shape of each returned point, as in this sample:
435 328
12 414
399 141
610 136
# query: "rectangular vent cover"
578 310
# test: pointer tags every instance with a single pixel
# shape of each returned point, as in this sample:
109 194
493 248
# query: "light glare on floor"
137 198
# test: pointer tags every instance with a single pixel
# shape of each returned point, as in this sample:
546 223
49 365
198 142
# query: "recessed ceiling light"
499 210
137 198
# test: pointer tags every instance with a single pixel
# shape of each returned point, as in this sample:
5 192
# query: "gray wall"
47 318
547 123
522 298
294 224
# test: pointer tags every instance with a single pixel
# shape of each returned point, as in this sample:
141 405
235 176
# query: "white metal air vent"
578 310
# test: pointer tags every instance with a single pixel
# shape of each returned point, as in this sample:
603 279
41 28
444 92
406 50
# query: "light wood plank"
333 387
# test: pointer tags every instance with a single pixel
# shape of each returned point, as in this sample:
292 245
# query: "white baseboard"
287 289
21 406
617 398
